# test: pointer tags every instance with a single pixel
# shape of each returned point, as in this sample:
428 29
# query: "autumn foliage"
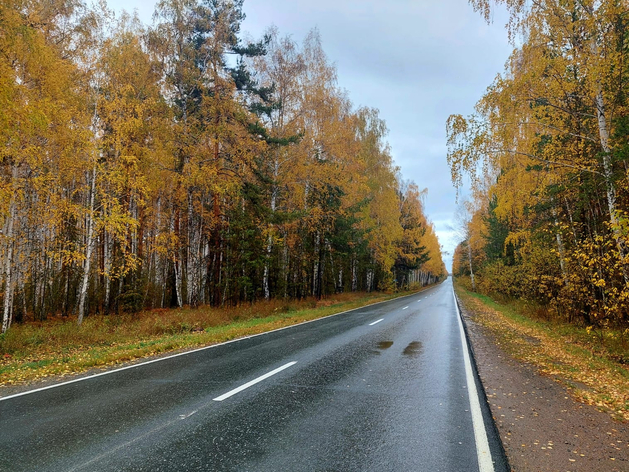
176 164
548 158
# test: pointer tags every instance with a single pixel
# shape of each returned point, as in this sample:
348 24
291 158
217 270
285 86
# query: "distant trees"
178 165
550 133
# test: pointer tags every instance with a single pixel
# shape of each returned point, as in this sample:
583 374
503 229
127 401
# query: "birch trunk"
610 188
469 256
354 274
560 248
192 269
177 263
8 265
178 283
158 260
340 287
286 267
265 276
269 244
369 280
316 267
107 265
88 249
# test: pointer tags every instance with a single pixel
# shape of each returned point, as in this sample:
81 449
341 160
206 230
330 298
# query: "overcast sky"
417 61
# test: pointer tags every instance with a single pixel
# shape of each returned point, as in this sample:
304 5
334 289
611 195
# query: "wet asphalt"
389 396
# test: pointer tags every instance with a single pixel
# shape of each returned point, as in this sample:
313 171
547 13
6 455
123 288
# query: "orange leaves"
141 168
546 154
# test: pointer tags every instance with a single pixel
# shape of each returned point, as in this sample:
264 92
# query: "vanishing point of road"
386 387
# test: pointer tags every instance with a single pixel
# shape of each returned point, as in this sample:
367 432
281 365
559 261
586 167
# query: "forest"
179 164
547 155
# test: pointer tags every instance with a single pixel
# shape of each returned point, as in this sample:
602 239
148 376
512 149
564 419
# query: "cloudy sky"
417 61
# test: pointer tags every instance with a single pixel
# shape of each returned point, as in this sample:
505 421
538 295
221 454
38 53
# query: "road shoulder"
541 426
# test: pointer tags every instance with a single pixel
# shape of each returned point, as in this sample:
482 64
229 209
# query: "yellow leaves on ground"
569 354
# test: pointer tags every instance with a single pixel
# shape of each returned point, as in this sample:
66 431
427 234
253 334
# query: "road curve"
376 389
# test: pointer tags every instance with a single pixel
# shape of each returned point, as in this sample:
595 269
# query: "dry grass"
591 363
58 346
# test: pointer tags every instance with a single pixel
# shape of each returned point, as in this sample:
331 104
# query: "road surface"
381 388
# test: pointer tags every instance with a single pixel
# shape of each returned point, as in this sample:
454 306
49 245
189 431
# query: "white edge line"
485 463
225 396
376 322
139 364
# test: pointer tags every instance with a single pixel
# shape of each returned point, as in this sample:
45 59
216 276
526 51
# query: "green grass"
59 347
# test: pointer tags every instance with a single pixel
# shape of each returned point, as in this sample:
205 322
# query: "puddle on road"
385 344
413 349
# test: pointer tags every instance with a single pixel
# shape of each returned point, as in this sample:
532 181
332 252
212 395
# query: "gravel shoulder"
542 427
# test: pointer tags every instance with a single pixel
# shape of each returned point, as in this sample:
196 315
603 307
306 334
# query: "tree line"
178 164
547 151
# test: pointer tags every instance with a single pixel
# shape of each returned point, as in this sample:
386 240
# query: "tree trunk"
107 266
354 274
603 131
286 266
193 259
560 246
265 276
178 287
269 244
340 286
174 228
88 250
469 256
316 266
8 273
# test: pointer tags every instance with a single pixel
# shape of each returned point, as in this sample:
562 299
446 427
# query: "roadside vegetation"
34 350
592 362
179 164
547 155
544 255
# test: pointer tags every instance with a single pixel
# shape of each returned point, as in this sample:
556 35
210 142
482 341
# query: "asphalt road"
381 388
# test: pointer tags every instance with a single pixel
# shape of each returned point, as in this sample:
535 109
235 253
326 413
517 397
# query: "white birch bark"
107 265
88 249
158 263
265 276
560 248
354 274
315 269
369 280
609 183
603 131
8 274
177 266
469 256
285 268
340 289
178 287
192 269
269 243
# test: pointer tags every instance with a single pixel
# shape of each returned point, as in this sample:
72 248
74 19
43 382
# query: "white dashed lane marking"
253 382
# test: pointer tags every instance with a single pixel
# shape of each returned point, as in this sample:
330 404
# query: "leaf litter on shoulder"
589 375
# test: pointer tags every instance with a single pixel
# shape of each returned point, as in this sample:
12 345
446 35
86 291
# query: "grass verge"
58 347
591 363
